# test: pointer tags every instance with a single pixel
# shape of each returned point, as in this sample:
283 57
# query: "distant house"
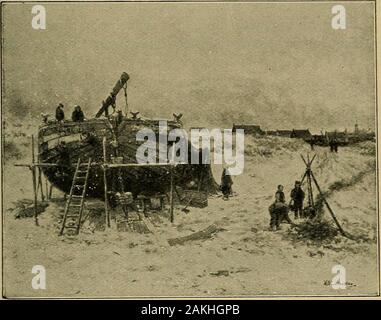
319 139
249 129
284 133
361 136
336 135
301 134
271 133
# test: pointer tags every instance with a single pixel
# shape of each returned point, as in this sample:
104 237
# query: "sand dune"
242 259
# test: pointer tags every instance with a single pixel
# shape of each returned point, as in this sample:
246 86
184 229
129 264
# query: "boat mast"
110 100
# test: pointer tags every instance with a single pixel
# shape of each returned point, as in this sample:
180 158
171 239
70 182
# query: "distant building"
301 134
319 139
271 133
337 135
284 133
249 129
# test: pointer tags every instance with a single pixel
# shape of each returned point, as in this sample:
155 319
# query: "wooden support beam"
30 165
304 176
304 160
47 189
105 183
108 165
172 186
313 158
310 192
34 185
131 165
41 185
171 196
50 191
328 207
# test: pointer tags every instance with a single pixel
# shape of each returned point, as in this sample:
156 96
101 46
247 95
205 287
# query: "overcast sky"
277 65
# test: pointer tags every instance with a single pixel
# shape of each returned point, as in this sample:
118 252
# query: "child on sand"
278 210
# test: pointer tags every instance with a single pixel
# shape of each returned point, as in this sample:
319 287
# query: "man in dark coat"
279 194
312 143
297 196
278 210
77 115
60 114
336 145
226 184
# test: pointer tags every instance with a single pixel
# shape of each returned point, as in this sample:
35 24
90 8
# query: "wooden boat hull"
84 140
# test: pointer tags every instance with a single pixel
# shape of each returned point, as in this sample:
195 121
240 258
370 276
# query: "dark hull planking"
84 140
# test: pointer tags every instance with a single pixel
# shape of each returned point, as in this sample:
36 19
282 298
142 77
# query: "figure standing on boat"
60 114
77 115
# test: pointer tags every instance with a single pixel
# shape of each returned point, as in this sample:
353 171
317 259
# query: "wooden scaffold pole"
328 207
172 186
105 183
40 187
171 196
311 178
33 168
47 189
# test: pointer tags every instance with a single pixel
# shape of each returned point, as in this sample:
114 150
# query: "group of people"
76 116
279 209
333 145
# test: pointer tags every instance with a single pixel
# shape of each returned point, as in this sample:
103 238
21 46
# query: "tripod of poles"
311 179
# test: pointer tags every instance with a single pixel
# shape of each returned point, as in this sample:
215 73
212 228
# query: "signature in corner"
330 283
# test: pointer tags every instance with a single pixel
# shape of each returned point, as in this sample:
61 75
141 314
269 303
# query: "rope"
125 96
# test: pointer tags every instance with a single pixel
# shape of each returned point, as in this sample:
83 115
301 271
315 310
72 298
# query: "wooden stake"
311 195
304 176
47 189
304 160
313 158
105 182
171 196
40 184
172 187
33 168
307 175
328 206
50 191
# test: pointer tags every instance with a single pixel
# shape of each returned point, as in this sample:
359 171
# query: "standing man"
312 143
336 145
279 194
60 114
77 115
297 196
281 206
226 184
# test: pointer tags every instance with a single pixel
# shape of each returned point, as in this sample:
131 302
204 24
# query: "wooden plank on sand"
204 234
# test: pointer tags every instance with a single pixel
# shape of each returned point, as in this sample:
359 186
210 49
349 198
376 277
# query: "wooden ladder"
76 201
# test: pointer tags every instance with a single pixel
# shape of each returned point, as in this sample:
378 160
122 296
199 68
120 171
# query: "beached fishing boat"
111 138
